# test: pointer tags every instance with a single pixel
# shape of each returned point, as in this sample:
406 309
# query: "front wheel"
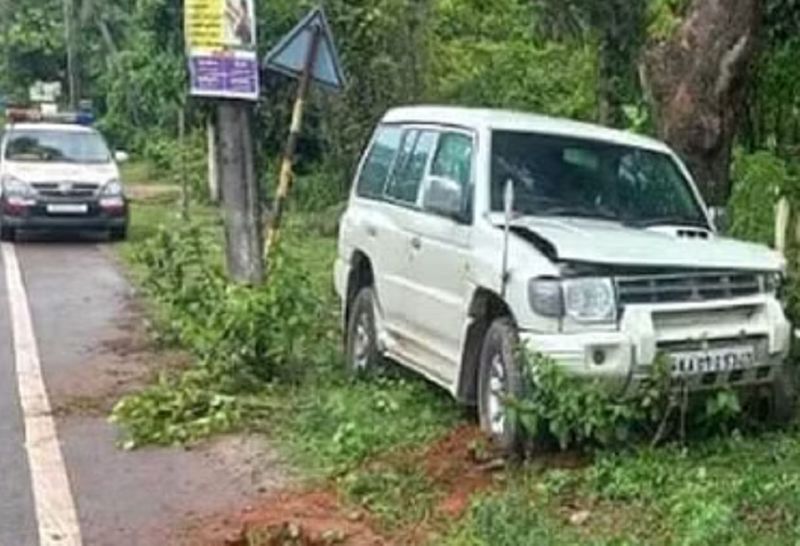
500 378
362 351
118 234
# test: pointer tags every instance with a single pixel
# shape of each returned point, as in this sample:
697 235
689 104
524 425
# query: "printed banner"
221 46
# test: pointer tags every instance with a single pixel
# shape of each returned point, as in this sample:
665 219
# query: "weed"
385 490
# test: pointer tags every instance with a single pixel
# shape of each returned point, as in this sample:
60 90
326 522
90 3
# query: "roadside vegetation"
399 452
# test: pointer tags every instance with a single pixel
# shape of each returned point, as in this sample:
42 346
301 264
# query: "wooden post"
213 170
240 196
287 164
782 216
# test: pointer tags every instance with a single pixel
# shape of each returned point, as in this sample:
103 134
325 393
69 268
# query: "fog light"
599 357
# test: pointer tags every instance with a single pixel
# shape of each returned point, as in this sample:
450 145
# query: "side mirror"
121 157
445 197
720 219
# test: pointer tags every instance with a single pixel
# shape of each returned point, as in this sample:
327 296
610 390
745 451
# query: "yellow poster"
219 23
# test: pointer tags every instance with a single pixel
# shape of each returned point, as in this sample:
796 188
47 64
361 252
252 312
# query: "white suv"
468 230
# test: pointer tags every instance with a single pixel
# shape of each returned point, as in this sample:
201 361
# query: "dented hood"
603 242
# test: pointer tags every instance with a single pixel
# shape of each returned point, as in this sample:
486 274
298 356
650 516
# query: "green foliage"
759 181
344 423
664 17
244 337
578 411
731 491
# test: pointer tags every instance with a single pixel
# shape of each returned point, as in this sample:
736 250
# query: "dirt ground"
456 464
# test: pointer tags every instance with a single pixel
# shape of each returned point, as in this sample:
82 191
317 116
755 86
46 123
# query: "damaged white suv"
468 230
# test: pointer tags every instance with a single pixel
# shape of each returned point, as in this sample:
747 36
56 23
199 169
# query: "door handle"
416 243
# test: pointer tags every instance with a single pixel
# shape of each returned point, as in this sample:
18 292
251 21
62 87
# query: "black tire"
783 397
118 234
8 233
498 367
361 342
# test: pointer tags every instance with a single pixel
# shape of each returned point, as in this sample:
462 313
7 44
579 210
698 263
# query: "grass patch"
732 491
395 494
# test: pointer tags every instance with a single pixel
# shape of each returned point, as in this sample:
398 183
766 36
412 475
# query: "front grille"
75 190
688 287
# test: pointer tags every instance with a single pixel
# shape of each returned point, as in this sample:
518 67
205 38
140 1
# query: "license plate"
68 208
713 360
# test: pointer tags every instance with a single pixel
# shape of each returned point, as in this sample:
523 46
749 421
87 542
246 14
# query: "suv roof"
509 120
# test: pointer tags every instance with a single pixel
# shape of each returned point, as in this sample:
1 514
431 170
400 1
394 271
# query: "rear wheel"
500 378
7 233
362 351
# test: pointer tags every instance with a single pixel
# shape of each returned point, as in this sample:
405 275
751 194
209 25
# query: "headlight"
113 189
590 300
15 187
586 300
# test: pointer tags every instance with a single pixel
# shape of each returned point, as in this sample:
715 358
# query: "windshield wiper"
580 212
669 221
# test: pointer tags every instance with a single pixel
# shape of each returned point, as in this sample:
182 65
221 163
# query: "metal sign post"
309 54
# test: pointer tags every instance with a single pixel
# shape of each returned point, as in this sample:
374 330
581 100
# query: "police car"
57 174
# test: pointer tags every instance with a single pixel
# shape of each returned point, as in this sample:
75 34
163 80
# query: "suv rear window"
379 162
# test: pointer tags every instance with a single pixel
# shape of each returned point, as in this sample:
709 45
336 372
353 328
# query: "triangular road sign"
290 54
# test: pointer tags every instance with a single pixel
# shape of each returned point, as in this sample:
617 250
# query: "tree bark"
696 82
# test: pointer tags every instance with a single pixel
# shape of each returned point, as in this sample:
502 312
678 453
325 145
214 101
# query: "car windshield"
560 176
57 147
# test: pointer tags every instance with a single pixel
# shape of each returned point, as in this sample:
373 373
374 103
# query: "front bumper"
37 217
630 351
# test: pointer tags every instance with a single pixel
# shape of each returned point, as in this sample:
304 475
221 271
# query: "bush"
578 412
244 337
759 180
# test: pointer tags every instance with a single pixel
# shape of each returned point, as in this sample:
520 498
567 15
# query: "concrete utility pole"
213 168
72 62
240 196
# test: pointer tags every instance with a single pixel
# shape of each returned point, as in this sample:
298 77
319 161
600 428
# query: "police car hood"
613 243
36 172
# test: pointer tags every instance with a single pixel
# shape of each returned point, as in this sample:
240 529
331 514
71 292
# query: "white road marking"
55 508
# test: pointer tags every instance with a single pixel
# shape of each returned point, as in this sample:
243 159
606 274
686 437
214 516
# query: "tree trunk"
696 82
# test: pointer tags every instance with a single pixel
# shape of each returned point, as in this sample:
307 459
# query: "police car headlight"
590 300
14 187
113 189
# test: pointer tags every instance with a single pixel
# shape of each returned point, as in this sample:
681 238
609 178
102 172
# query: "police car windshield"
51 146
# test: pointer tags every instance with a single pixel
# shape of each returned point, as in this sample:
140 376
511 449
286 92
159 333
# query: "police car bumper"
64 215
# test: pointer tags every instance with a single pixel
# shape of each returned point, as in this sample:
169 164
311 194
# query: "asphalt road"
85 339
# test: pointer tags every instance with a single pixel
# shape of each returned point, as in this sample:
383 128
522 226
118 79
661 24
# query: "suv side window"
452 167
454 159
410 167
379 162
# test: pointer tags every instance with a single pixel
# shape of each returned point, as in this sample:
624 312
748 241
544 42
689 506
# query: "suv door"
399 212
439 264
